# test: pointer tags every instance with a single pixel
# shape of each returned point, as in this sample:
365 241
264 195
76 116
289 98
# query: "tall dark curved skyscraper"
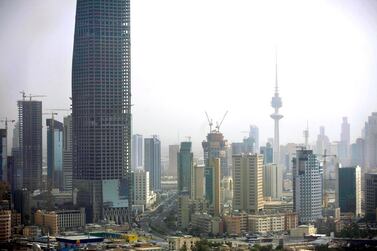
101 108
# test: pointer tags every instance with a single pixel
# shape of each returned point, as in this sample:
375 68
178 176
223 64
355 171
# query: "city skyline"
248 66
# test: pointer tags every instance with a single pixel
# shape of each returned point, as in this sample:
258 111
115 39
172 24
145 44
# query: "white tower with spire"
276 103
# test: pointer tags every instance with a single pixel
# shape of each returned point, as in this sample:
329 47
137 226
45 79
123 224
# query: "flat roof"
81 238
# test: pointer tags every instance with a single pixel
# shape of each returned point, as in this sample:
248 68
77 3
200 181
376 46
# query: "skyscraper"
348 190
173 153
216 147
370 196
276 103
248 182
67 153
254 135
137 151
3 155
358 152
30 143
54 154
152 161
371 142
198 182
323 142
101 108
344 144
185 168
272 181
307 186
267 152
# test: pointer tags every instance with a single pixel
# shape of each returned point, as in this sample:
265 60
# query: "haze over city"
189 57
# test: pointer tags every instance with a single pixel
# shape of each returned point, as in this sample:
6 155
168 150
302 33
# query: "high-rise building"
101 108
5 226
152 161
371 196
30 143
344 144
254 135
348 190
358 152
198 182
216 147
67 153
272 181
307 186
276 103
173 153
323 142
268 153
141 188
137 151
54 154
248 182
185 168
3 155
371 142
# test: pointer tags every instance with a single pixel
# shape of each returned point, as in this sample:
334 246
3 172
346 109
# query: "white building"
272 181
307 186
142 195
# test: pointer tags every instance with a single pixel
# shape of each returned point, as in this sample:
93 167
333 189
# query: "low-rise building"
179 242
5 225
303 230
233 224
290 221
266 223
201 222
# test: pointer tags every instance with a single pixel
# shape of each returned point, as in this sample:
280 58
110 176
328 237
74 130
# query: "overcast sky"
192 56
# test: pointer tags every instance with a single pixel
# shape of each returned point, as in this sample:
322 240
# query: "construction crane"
6 120
30 96
210 123
219 124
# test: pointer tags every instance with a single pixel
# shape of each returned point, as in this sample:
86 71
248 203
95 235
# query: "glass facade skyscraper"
54 154
101 108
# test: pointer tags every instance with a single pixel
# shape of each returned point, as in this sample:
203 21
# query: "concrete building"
152 161
233 224
348 190
101 108
266 223
370 199
226 190
137 151
323 142
186 242
3 155
54 154
198 182
141 188
358 153
67 153
216 147
371 143
173 153
213 191
58 221
248 183
183 218
254 136
303 230
307 186
268 154
5 225
201 222
272 181
30 143
185 168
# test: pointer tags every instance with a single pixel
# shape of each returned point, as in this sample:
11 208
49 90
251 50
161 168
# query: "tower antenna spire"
276 70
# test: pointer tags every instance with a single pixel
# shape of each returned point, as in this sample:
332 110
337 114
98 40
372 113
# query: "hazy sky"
191 56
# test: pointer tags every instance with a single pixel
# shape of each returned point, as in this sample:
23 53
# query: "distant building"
323 142
183 218
67 153
142 194
3 155
152 161
371 142
54 154
137 151
358 153
344 144
348 190
248 182
268 153
272 181
307 186
173 153
185 168
30 143
226 190
370 196
198 182
254 135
